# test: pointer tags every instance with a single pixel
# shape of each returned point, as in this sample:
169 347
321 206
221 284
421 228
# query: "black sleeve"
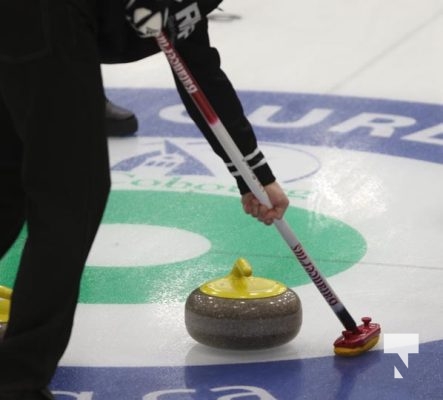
204 64
117 41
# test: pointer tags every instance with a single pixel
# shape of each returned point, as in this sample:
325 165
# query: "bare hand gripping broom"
355 339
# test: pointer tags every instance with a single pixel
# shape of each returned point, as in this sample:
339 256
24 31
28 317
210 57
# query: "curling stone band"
243 312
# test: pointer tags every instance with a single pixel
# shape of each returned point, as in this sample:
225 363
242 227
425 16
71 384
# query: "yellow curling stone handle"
240 284
5 303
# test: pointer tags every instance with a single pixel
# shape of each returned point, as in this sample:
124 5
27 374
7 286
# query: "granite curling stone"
5 304
242 312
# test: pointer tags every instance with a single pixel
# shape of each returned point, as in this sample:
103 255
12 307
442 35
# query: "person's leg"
66 182
12 200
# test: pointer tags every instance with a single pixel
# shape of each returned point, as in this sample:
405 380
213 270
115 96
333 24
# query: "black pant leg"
56 103
12 199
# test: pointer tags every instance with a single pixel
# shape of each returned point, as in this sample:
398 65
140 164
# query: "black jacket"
25 32
118 42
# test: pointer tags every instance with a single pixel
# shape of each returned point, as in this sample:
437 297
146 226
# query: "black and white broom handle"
199 98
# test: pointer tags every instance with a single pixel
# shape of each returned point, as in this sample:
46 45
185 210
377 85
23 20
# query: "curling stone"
5 304
242 312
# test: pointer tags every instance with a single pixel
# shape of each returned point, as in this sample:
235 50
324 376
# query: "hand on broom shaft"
265 214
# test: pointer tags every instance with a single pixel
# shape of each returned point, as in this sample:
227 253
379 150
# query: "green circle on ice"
137 223
220 230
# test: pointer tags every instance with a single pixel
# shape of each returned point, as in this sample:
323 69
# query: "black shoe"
119 121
